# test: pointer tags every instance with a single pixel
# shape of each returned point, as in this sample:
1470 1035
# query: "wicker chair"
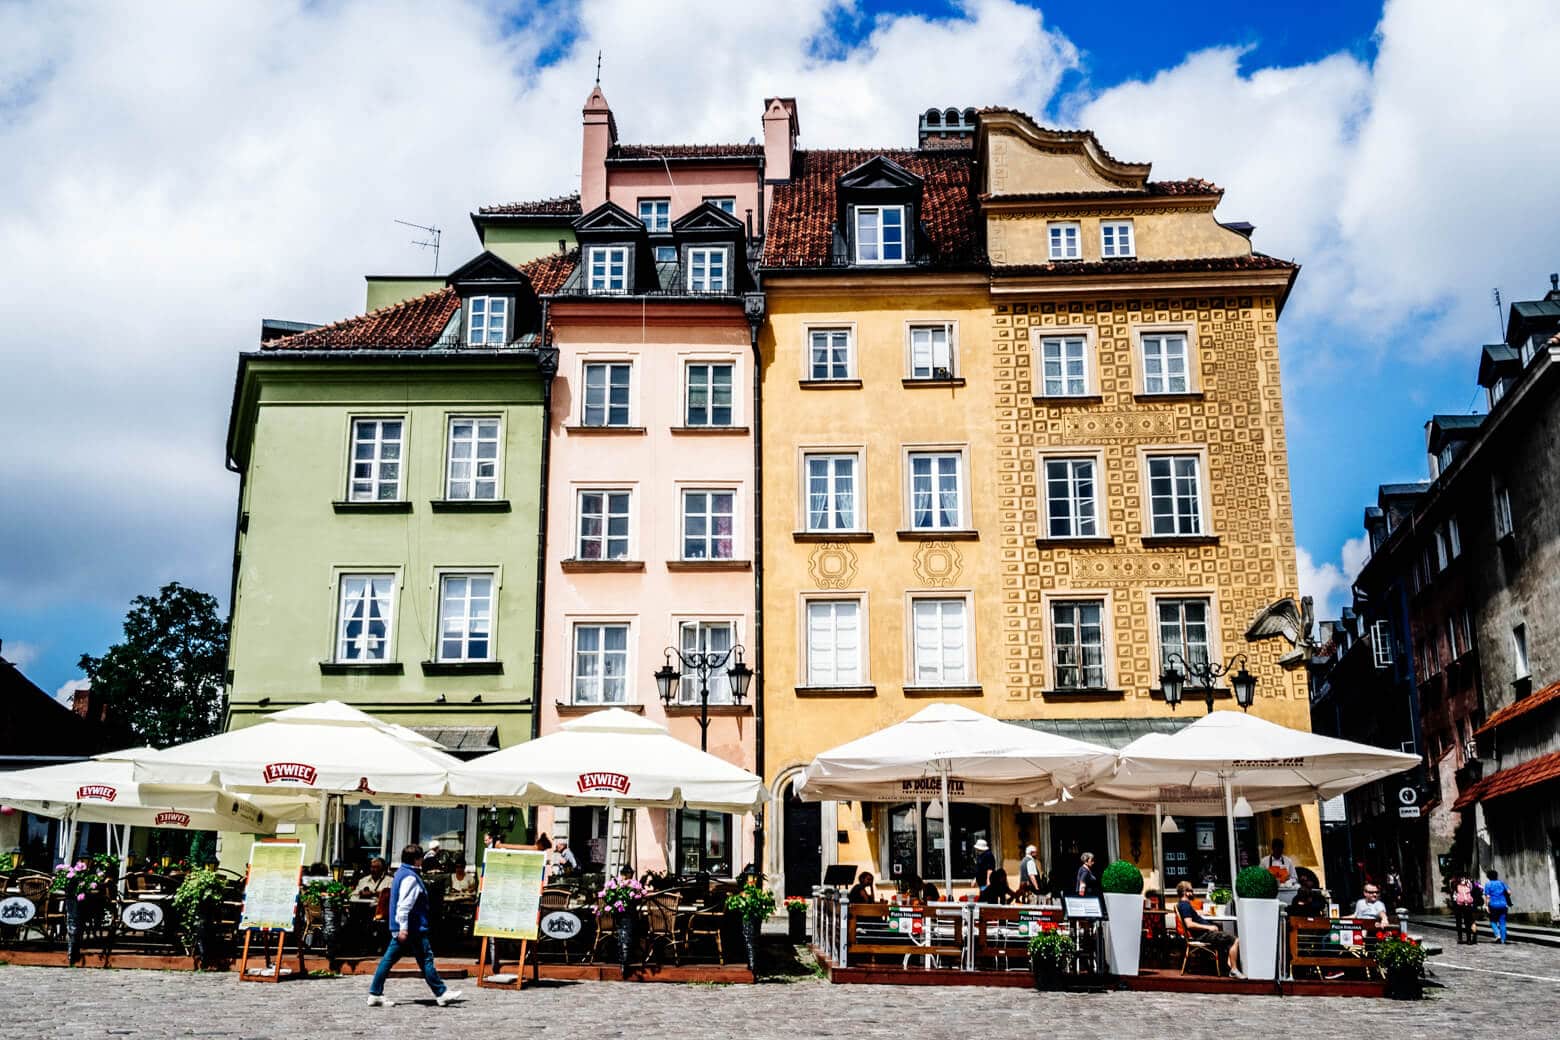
555 898
661 925
606 926
704 924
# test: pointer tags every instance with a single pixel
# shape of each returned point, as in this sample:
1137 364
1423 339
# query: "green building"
388 529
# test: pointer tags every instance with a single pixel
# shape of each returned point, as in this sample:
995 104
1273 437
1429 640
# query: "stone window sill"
836 691
832 536
1062 696
463 668
940 535
709 565
361 668
604 431
926 384
1101 542
575 710
829 384
710 431
1176 541
944 691
397 506
597 566
469 505
682 711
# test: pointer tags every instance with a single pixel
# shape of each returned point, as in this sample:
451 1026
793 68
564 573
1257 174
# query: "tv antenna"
1500 315
431 242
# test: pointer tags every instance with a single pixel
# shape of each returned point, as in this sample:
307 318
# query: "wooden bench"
872 931
1316 944
1001 935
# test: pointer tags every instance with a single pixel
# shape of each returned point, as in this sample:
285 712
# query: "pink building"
650 490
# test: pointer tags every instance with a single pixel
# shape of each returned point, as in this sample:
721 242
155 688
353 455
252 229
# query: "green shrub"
1055 948
1398 955
753 901
1122 877
200 894
1256 883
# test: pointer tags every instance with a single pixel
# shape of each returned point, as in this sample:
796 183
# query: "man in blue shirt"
1204 931
1497 897
409 932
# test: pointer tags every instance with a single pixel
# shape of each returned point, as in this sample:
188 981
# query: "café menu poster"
271 893
511 898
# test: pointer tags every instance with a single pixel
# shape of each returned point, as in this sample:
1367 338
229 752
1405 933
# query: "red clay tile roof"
1513 711
685 151
1540 770
1253 262
1194 186
557 206
801 220
415 324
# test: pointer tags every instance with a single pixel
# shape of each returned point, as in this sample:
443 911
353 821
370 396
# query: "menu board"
271 892
511 897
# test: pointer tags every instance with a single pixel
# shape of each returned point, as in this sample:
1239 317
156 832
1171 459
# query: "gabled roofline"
1077 142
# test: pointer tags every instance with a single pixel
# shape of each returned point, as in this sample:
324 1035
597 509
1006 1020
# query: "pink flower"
81 897
81 865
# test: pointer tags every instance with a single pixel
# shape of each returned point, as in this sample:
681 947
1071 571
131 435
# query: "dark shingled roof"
685 151
801 220
1195 186
557 206
1254 262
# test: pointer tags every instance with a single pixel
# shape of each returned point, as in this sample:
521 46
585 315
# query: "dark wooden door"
803 844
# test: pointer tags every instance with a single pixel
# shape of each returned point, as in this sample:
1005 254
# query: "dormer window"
656 214
608 269
880 234
1064 239
708 270
487 321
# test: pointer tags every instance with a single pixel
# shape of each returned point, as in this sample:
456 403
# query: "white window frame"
1057 240
720 682
1442 557
1381 643
1521 666
1454 536
709 364
665 254
1095 458
376 479
478 478
944 676
1204 520
1504 524
809 362
709 283
1049 603
609 365
857 456
608 257
600 654
608 494
442 578
1140 337
502 305
836 677
950 331
724 203
1159 597
709 515
660 218
936 453
859 242
1112 234
339 643
1037 344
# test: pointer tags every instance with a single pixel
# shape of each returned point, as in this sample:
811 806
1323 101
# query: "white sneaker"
375 1000
444 999
1235 973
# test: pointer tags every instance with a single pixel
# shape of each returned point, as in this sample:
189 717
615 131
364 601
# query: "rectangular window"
830 354
709 395
931 352
466 617
666 254
487 321
1452 649
472 468
1165 363
364 617
1116 239
1381 644
880 234
707 270
376 460
1175 494
600 664
608 269
1183 631
706 637
727 203
603 532
1064 239
936 491
1442 556
656 214
1453 537
1078 644
606 394
1070 507
709 519
833 642
1064 370
1503 523
1519 657
941 648
831 492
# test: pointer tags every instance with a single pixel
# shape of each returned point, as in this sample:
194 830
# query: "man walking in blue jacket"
409 932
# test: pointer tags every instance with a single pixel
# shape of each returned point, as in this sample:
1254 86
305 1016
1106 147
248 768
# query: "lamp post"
1173 682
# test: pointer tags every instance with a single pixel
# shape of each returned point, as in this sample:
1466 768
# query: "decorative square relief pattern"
1239 420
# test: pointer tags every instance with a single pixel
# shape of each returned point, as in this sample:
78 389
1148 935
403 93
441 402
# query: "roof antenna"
431 242
598 68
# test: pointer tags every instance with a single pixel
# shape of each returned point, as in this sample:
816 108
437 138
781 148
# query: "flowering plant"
753 901
795 904
620 896
1399 954
1052 947
92 876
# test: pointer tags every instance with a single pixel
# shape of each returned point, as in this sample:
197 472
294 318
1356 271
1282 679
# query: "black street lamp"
1243 684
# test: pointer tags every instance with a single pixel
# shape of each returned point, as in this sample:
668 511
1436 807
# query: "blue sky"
193 167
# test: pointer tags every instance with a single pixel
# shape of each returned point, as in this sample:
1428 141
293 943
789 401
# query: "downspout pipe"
547 369
754 309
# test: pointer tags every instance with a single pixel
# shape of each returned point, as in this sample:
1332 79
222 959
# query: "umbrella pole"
920 828
124 854
1159 845
947 829
611 823
324 828
1229 823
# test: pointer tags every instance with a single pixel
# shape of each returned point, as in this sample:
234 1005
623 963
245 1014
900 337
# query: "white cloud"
19 653
1328 583
66 693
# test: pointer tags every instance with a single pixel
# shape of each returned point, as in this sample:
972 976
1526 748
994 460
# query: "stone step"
1539 935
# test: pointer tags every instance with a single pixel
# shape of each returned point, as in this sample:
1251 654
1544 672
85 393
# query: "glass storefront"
364 828
969 823
1200 852
704 843
447 826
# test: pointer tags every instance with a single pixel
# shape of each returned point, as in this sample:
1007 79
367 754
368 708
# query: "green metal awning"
1112 733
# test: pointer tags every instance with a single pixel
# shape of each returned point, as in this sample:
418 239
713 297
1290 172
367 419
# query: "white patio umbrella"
946 749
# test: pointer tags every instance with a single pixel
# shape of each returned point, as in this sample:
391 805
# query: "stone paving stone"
1488 991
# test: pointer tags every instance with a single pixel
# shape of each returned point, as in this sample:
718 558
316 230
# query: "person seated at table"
1309 901
929 893
374 882
1369 906
563 863
1278 864
997 891
863 890
433 859
910 886
462 884
1206 931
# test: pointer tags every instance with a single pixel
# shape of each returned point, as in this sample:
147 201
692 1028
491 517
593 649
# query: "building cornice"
1074 286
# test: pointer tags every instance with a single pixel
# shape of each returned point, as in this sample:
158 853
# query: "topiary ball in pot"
1122 877
1256 883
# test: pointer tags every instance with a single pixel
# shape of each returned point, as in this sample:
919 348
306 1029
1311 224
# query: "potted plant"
621 898
1256 917
1050 954
331 897
796 920
754 903
1221 898
84 885
1122 882
1402 961
198 902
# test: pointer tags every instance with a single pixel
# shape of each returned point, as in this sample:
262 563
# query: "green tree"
164 682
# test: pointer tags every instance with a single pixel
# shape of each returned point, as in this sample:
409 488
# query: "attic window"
707 269
880 234
656 214
1064 238
487 321
724 203
608 271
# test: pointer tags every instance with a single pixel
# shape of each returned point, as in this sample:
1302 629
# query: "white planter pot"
1123 931
1257 921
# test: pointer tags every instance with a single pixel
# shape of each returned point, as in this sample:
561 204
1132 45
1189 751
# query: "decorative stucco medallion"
938 564
832 565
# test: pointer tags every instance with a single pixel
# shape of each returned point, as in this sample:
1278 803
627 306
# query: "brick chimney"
950 128
780 132
599 136
87 706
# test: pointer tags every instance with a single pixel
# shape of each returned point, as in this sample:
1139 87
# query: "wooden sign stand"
483 979
281 938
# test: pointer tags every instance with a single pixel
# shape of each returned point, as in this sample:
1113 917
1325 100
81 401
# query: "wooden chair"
707 923
661 925
1193 945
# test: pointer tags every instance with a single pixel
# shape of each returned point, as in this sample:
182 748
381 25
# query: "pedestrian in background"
409 927
1467 894
1497 894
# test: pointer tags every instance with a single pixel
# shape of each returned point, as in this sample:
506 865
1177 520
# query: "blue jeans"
421 949
1498 923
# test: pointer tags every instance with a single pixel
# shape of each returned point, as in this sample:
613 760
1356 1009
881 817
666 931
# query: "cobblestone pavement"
1489 991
